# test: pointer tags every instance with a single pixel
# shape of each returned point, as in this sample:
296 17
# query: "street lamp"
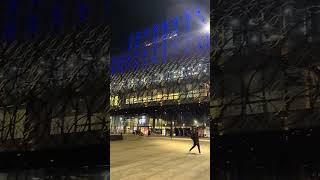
196 123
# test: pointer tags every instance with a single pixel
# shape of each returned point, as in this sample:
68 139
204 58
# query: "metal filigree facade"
54 90
264 65
174 83
182 76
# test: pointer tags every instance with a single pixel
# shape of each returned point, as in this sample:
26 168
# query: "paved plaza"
155 158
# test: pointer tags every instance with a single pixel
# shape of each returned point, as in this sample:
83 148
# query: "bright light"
206 28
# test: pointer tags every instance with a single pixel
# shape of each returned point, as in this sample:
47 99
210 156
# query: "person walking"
195 139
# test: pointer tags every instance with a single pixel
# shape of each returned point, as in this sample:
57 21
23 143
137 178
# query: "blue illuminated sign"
187 21
165 26
199 15
155 44
138 39
53 19
130 42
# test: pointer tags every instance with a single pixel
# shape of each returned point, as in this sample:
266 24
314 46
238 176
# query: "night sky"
27 19
135 15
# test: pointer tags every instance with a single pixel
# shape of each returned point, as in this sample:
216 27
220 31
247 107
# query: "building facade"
264 99
54 83
265 67
161 84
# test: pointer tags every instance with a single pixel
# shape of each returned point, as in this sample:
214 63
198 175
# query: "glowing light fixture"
206 28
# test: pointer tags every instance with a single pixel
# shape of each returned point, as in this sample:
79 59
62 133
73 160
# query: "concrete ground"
155 158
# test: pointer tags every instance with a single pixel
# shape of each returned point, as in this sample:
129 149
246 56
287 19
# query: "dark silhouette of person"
195 139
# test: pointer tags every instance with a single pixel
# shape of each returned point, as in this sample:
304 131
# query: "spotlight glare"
206 28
